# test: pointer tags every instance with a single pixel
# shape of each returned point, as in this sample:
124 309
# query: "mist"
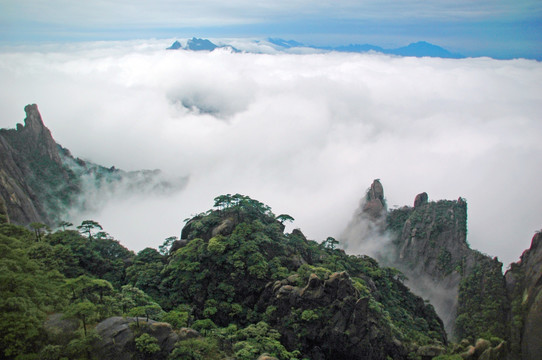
304 133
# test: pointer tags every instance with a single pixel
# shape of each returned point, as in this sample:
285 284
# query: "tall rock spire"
375 205
36 136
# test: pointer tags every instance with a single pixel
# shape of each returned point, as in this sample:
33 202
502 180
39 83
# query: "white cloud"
305 134
120 14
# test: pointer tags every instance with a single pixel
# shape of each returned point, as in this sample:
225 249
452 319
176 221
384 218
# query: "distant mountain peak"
285 43
197 44
416 49
422 49
175 46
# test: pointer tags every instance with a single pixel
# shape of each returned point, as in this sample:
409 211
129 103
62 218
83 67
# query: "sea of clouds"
304 132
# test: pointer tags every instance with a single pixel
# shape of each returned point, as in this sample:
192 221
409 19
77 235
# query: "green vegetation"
217 283
482 301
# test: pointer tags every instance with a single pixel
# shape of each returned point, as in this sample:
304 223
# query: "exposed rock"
40 181
469 353
428 352
346 330
187 333
524 285
483 350
428 243
197 44
21 151
177 245
175 46
59 330
481 346
297 232
225 228
431 248
375 205
117 337
4 217
266 356
421 199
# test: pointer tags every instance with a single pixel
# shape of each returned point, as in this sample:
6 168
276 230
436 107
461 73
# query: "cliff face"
524 284
42 182
428 243
324 303
33 180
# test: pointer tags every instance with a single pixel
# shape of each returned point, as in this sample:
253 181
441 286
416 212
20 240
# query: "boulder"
266 356
469 353
187 333
60 330
117 337
481 346
225 228
428 352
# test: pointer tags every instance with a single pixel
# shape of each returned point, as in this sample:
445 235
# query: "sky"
304 133
496 28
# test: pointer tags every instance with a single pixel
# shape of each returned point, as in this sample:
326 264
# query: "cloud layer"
498 28
303 133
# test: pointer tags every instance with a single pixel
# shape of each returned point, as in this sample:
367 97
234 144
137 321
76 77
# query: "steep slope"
34 183
247 287
235 264
428 242
524 284
40 181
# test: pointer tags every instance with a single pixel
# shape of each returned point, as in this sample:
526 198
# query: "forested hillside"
247 287
235 285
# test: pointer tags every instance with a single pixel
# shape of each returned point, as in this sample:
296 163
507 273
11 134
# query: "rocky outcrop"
375 205
175 46
59 330
338 322
482 349
430 247
428 243
223 227
118 334
524 285
4 217
41 182
421 199
428 352
30 166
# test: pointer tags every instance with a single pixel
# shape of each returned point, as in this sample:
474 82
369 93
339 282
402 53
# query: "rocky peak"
524 285
421 199
375 204
36 136
33 121
30 163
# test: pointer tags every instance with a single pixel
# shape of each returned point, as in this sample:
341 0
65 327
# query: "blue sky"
498 28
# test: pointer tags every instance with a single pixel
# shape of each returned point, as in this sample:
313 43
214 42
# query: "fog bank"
304 133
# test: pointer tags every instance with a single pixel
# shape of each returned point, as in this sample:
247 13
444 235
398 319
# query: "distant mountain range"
196 44
417 49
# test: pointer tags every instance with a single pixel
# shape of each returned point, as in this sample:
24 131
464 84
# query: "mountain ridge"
40 181
235 265
416 49
428 243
